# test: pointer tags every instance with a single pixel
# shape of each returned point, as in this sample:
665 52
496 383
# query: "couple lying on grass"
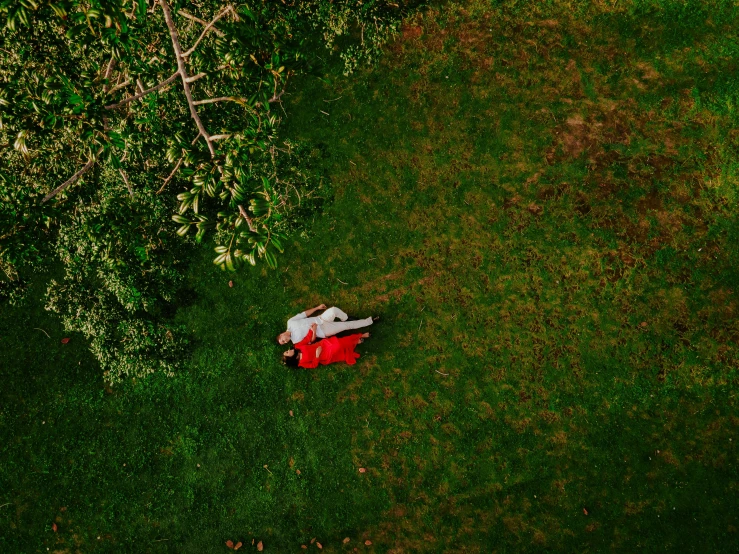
305 331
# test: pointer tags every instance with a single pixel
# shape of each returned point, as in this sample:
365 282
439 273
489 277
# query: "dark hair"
291 361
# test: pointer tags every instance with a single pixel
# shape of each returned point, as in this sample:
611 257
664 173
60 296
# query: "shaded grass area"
541 204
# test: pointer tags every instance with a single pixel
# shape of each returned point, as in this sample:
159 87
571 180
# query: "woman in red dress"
309 354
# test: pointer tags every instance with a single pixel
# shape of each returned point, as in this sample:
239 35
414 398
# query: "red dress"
333 350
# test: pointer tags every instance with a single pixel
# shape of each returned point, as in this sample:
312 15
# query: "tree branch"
249 220
275 97
182 70
187 15
208 27
169 178
108 71
176 167
221 99
119 87
125 180
72 179
142 94
196 77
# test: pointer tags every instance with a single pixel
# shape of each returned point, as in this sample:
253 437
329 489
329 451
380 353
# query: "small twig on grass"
324 112
351 162
45 333
419 325
334 100
440 373
6 504
160 540
342 282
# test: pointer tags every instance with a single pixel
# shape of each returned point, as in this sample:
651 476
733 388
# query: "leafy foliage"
119 271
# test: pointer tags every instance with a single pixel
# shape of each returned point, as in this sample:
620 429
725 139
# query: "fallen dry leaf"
643 323
238 545
291 413
297 471
230 544
65 340
319 545
313 540
260 546
346 540
54 527
584 511
231 284
303 547
368 542
362 470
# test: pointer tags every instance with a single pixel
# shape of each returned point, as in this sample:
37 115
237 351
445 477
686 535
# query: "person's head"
290 358
283 338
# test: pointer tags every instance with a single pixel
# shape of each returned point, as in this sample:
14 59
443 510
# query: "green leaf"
271 259
220 259
75 31
259 206
230 263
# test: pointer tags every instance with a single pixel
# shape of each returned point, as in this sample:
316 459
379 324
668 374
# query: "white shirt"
300 324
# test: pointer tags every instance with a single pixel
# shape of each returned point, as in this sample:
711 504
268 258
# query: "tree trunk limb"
72 179
182 70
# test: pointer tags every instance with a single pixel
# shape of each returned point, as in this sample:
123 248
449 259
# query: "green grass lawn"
540 202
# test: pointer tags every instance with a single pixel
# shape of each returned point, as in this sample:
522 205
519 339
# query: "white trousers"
328 327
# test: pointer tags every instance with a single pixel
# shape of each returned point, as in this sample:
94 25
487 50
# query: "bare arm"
313 336
310 312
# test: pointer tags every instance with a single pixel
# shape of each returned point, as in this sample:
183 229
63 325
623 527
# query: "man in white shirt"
298 326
